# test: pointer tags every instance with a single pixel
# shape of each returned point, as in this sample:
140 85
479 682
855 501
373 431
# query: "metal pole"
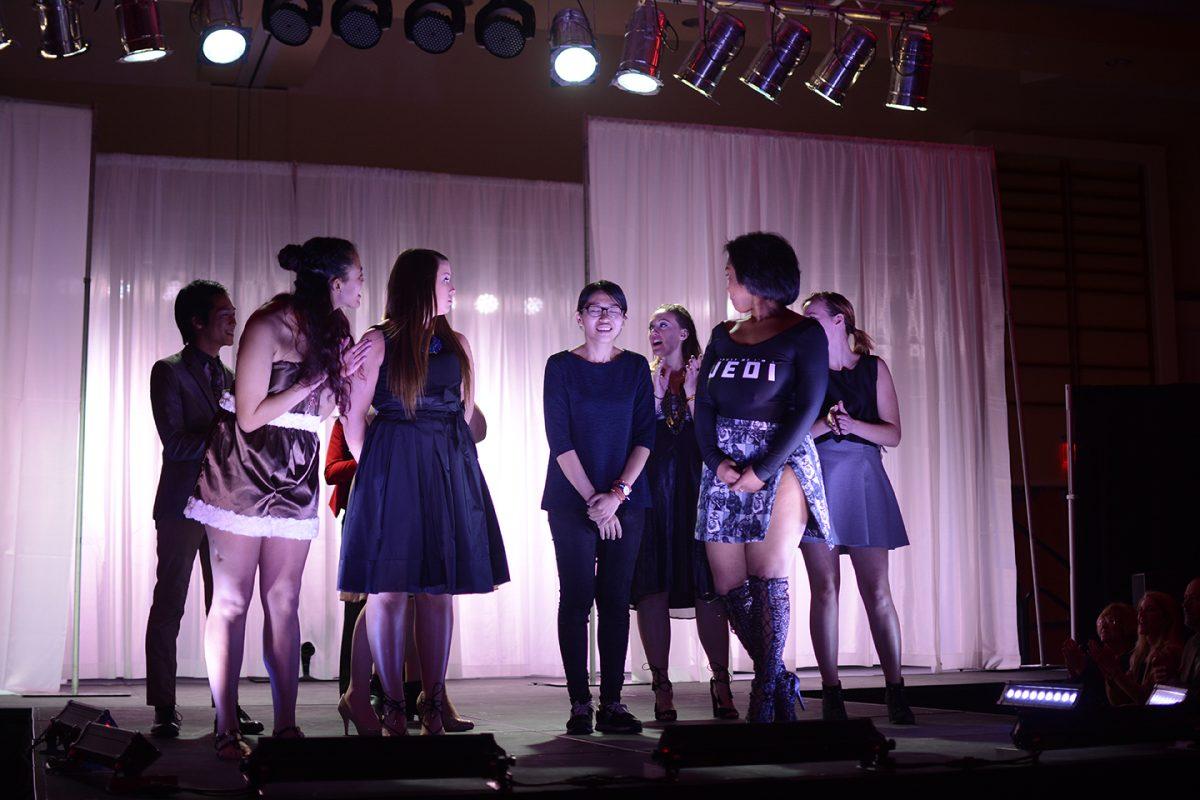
1012 348
79 451
1071 509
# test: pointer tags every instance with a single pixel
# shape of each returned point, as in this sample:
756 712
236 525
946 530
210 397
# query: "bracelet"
659 396
690 398
622 490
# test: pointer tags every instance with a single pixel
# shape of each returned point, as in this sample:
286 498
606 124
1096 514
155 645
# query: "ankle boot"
898 711
833 708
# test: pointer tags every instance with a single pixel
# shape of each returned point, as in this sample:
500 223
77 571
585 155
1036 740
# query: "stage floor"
527 716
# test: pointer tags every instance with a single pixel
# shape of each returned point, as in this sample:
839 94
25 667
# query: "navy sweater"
781 380
602 412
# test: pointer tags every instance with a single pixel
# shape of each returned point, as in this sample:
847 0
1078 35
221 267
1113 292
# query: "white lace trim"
261 527
288 419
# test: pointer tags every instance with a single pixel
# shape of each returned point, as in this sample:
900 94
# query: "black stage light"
141 32
433 25
66 727
291 22
62 34
223 40
685 746
842 65
361 23
124 752
502 26
912 62
383 758
787 49
1038 730
710 55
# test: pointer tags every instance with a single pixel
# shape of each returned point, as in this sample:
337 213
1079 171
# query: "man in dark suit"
185 392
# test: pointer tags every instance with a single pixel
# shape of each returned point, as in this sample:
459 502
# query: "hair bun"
291 258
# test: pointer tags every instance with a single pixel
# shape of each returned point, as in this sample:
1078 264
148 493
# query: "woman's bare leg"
654 626
386 616
234 561
434 628
871 572
281 567
824 583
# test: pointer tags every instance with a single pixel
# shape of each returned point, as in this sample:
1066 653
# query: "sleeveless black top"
855 388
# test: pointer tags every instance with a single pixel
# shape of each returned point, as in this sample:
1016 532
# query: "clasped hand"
738 479
602 510
840 421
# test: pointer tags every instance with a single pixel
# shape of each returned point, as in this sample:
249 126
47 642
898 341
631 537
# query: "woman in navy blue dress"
420 520
861 416
599 409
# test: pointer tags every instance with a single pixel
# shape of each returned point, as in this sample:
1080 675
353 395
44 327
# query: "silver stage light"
704 66
912 63
573 55
62 35
843 64
141 32
790 44
223 40
641 60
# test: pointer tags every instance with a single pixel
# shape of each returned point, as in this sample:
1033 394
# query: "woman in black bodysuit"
761 384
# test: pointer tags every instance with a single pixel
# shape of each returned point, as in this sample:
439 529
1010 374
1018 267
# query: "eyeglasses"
595 312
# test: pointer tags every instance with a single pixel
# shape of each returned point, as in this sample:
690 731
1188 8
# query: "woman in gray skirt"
862 416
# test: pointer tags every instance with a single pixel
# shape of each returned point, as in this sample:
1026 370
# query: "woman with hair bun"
862 416
258 492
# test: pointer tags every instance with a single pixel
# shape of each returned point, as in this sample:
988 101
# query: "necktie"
216 376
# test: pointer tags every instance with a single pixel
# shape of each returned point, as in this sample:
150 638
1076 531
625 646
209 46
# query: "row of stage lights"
502 28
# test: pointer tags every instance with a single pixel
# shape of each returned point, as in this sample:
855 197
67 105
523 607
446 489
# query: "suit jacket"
184 406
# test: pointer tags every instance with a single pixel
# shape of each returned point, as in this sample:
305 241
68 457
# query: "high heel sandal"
451 721
720 711
393 709
347 716
290 732
231 746
660 682
430 711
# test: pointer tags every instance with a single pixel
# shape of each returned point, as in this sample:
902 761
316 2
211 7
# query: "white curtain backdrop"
163 222
45 178
907 232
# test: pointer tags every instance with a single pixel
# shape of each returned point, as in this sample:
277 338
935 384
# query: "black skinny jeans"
591 570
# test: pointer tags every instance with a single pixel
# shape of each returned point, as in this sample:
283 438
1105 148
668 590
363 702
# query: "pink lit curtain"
909 233
517 250
45 178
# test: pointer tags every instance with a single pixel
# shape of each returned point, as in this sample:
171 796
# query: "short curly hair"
766 265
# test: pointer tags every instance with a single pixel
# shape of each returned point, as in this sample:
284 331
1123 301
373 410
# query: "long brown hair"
838 304
410 321
323 329
691 345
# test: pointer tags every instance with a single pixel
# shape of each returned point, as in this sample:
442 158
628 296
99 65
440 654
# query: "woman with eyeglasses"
599 408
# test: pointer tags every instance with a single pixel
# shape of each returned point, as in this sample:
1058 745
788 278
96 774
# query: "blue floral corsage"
435 345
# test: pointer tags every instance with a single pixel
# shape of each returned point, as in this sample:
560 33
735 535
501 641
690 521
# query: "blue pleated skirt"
861 500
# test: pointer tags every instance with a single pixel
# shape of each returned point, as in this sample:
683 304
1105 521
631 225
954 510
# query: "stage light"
5 40
1166 695
711 55
433 25
641 61
58 22
843 64
714 745
573 54
361 23
502 26
223 40
533 305
291 22
788 48
140 31
487 304
912 63
68 724
379 758
1047 695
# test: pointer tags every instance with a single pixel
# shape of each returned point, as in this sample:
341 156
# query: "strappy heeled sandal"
430 711
721 677
393 710
660 683
231 746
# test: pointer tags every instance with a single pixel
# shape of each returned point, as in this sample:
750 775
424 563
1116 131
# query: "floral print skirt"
739 517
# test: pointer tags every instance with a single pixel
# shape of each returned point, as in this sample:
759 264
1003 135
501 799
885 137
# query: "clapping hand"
661 378
691 376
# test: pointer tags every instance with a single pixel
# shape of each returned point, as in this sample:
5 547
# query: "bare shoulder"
462 340
882 367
